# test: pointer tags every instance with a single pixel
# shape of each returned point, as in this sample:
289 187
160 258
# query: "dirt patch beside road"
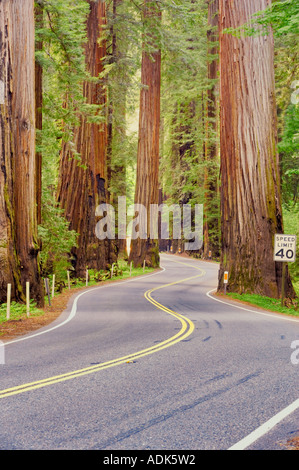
12 329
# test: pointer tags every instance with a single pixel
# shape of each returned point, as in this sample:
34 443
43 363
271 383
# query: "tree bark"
147 180
18 216
250 182
83 187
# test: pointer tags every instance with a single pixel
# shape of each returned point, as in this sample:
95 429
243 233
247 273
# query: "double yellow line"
186 330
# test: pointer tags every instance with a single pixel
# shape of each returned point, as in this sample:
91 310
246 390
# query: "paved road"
153 363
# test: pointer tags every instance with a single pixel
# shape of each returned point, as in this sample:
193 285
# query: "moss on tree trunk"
250 184
147 180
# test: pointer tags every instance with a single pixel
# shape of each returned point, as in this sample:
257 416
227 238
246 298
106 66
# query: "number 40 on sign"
285 248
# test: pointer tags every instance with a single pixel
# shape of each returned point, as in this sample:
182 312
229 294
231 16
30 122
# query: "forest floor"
293 444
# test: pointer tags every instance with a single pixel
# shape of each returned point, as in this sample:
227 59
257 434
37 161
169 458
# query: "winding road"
152 363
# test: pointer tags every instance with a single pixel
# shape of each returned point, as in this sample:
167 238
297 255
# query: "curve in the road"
185 331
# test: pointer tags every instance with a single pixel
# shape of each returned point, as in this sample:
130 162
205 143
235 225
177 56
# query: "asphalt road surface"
153 363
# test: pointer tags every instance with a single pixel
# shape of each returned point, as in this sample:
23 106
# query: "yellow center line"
186 330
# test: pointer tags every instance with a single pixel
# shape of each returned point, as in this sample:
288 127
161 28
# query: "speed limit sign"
285 248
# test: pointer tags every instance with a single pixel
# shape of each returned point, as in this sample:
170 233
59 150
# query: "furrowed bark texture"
147 180
38 115
211 209
18 220
83 187
116 157
250 182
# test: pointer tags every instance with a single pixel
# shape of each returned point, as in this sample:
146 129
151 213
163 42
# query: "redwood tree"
82 185
250 182
18 217
117 102
38 113
147 180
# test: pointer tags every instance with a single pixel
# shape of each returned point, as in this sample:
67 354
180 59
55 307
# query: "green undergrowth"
266 303
18 310
296 286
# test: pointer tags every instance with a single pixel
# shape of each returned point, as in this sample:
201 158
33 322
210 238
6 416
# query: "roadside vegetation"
267 303
291 306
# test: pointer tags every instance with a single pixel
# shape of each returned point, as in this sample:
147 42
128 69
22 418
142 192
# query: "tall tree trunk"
250 182
211 200
117 81
147 180
83 187
18 219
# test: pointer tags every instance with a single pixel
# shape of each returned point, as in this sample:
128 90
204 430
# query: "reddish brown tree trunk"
116 157
211 201
250 182
83 187
18 219
147 180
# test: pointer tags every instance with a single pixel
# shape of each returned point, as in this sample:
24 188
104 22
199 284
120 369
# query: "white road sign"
285 248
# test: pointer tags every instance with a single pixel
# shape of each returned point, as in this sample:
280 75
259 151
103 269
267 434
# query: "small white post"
2 353
68 279
112 270
8 301
28 298
53 286
225 281
86 277
2 92
143 265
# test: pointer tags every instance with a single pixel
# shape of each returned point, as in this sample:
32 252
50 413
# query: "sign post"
283 282
284 252
225 281
2 92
